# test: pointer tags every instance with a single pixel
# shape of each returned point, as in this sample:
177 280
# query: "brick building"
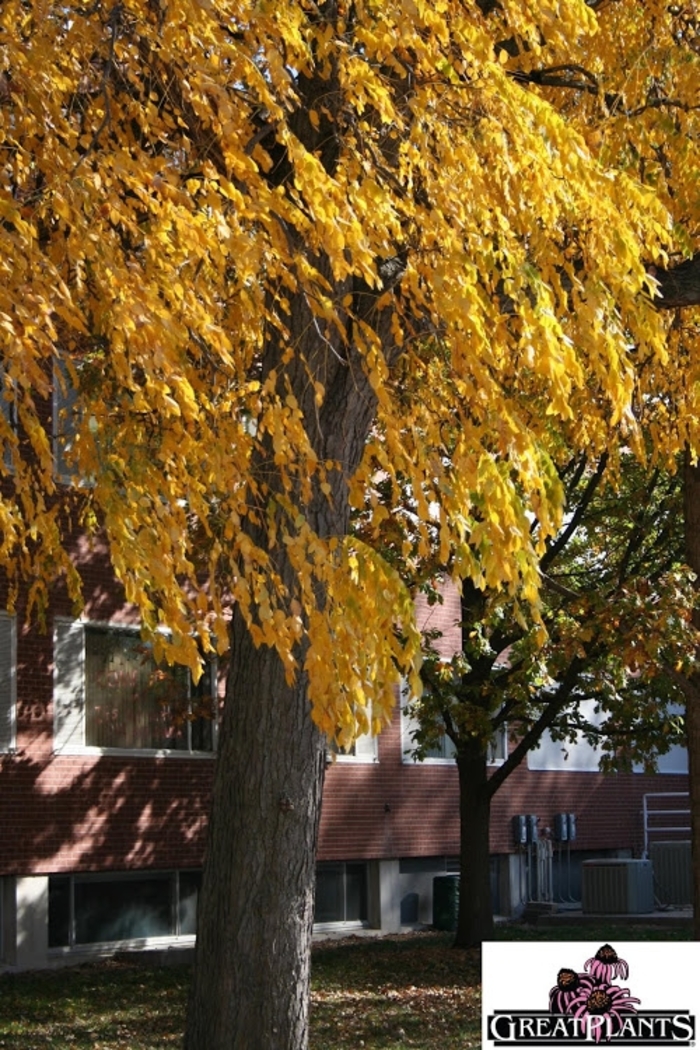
103 801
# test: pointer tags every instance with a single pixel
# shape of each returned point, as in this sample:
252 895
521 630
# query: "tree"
616 605
226 231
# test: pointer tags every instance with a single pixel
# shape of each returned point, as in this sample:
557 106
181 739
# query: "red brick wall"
60 813
89 814
389 809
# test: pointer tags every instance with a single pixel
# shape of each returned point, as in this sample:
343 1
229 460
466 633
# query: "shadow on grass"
103 1006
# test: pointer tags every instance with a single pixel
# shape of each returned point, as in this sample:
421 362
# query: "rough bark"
251 979
692 684
475 918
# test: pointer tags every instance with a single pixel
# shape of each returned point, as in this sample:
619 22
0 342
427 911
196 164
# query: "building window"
109 694
8 681
362 750
63 418
443 751
428 865
99 909
131 702
341 893
498 746
577 755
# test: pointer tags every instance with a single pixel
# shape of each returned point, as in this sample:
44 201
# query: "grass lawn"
373 993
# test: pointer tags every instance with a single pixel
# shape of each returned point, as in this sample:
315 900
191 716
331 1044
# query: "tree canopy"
210 214
616 603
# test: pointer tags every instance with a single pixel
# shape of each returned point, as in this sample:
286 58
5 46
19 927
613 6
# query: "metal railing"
672 822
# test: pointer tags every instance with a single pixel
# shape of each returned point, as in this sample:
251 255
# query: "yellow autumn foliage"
210 212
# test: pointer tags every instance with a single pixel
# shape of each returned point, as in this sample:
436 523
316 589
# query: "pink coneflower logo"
602 1008
588 1006
598 1005
569 985
606 965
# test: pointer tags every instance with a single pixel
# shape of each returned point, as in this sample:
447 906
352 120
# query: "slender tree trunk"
475 921
475 918
692 690
251 977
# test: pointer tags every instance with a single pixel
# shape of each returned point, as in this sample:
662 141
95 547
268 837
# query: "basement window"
341 893
109 908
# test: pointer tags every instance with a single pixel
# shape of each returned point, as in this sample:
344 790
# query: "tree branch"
561 541
548 716
679 285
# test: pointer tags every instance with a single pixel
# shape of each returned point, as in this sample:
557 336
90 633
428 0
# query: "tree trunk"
692 690
251 981
475 921
251 978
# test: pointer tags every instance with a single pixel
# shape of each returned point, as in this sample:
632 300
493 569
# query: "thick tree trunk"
692 690
251 977
251 980
475 920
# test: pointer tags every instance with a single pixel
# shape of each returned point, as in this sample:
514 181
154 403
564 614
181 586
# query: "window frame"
69 696
407 724
498 746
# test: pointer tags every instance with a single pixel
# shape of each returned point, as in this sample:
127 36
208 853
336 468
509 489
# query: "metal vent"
617 887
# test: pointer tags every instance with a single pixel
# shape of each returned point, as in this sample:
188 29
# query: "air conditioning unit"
673 873
617 887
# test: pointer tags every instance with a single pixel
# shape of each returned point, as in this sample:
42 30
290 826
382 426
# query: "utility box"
673 872
445 902
617 887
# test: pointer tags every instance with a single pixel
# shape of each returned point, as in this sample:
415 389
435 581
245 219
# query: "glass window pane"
355 892
123 909
130 701
341 892
59 911
329 893
190 884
